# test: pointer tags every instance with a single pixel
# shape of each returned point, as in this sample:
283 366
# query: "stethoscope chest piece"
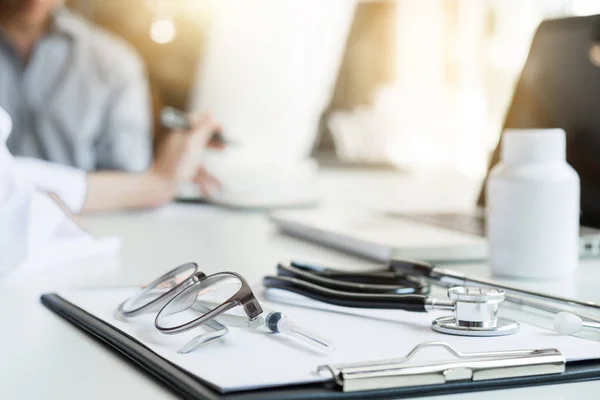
475 313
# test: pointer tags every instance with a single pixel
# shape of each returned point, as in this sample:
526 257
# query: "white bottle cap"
533 145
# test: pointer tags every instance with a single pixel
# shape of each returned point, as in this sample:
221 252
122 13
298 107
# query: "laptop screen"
559 87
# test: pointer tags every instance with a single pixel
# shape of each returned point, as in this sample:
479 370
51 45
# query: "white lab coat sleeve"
7 182
14 203
30 221
68 183
14 224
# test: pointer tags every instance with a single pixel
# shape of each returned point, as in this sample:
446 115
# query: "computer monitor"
269 69
559 87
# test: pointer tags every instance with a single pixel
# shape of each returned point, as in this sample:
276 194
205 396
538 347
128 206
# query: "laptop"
559 87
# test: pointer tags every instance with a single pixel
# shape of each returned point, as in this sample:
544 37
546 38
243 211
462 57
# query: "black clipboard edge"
166 373
190 387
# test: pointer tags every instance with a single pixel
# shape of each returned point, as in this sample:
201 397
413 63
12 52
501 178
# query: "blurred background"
422 84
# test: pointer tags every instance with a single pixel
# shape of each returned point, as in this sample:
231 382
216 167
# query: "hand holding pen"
180 151
179 121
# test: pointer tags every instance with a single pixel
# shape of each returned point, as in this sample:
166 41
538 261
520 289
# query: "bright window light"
162 31
586 7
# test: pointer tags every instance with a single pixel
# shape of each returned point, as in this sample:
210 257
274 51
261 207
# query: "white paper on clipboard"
246 359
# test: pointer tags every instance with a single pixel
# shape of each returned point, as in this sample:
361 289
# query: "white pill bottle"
532 207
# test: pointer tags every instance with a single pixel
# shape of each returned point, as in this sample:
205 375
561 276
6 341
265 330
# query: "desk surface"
43 357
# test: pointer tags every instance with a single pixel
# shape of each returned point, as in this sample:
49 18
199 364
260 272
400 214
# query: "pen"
174 119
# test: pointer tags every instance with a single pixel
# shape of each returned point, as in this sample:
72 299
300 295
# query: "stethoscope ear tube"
412 268
379 281
413 303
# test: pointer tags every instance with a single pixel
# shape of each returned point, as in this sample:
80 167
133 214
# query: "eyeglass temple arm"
251 307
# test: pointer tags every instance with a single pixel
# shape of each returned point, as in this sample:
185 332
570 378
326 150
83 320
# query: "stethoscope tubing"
447 278
358 290
380 281
407 302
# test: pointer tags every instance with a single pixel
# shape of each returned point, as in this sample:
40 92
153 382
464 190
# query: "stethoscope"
475 309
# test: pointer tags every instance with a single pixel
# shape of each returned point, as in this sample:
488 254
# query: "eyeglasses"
154 296
186 298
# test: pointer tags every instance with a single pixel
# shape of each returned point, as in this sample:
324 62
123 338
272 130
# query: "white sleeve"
68 183
13 207
6 179
30 221
13 232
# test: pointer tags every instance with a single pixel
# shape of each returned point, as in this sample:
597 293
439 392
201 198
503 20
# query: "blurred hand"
208 183
178 157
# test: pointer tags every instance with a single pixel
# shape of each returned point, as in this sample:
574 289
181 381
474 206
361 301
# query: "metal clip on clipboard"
392 373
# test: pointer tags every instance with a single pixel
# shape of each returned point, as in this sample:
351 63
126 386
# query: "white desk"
43 357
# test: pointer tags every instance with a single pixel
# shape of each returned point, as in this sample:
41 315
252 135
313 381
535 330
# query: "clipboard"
188 386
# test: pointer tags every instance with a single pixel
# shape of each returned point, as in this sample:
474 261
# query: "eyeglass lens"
160 287
211 292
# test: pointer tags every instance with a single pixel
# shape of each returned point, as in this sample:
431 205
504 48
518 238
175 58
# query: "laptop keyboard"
472 224
459 222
